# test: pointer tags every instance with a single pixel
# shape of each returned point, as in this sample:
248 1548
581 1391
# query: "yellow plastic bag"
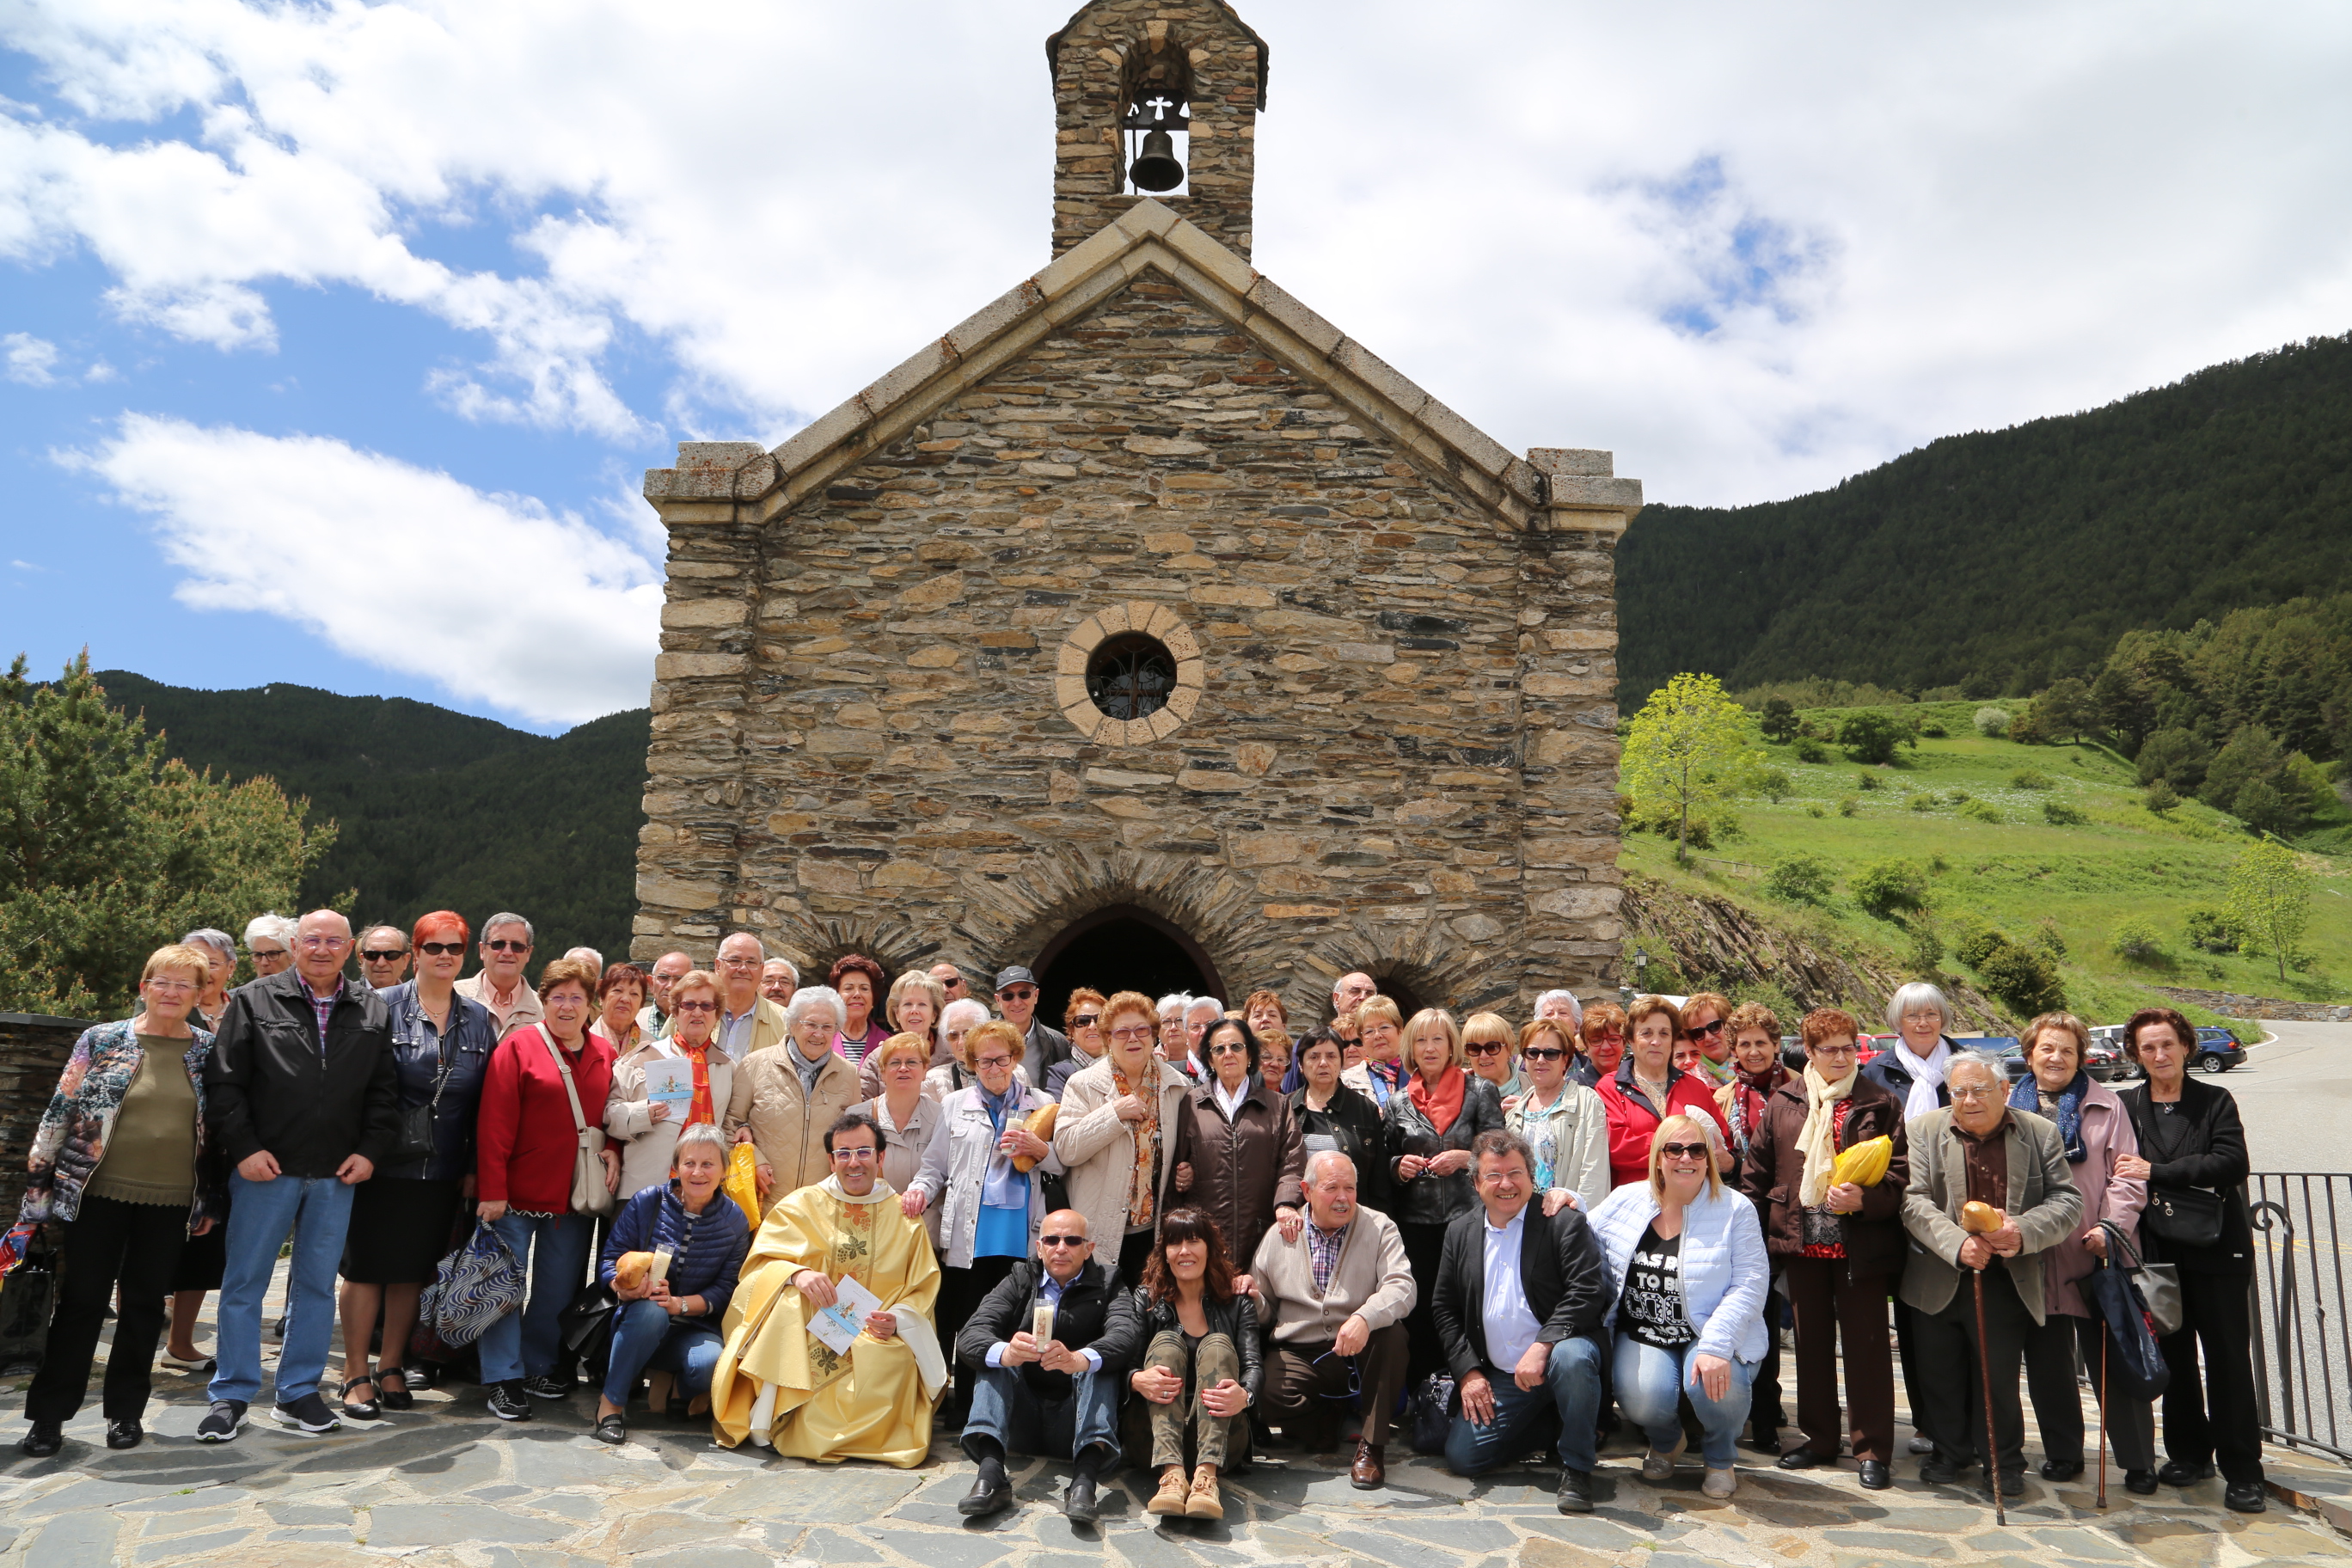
742 1182
1864 1165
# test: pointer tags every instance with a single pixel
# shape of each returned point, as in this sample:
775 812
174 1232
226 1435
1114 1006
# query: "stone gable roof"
1149 237
1264 55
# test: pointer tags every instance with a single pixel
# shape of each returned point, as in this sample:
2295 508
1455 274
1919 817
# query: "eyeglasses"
738 963
1977 1094
694 1006
441 949
1605 1036
1844 1050
1682 1151
505 945
268 951
322 943
1695 1030
384 955
1229 1048
171 987
1019 994
1543 1053
1485 1048
1062 1240
1134 1033
1086 1020
987 1063
855 1156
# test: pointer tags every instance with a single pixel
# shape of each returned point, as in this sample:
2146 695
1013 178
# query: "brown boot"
1204 1502
1172 1492
1371 1470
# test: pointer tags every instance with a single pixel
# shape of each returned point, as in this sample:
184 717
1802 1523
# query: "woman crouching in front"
1200 1371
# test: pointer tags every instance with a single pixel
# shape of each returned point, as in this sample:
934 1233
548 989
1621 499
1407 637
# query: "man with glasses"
779 979
1052 1394
950 981
301 1095
499 984
654 1017
783 1389
1337 1299
1975 1150
383 956
1520 1300
1351 991
1041 1044
748 1021
270 939
1707 1019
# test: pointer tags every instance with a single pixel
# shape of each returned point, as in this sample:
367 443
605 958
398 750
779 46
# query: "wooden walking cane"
1984 1219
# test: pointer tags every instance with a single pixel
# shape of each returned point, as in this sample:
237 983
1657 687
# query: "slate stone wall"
1403 755
33 1052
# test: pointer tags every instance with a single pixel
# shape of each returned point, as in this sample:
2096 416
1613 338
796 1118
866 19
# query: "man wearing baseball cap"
1016 999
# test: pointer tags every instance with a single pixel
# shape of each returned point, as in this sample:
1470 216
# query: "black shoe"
1800 1459
1936 1472
2245 1497
310 1413
610 1430
548 1385
360 1409
399 1398
1874 1478
2181 1473
2060 1469
1575 1491
277 1329
46 1438
1079 1501
1765 1441
992 1491
508 1403
223 1422
2142 1482
2012 1483
1921 1446
125 1434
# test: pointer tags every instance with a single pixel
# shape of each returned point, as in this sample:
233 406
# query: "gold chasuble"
779 1385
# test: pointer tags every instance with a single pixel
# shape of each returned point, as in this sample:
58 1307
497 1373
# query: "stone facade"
33 1052
1392 740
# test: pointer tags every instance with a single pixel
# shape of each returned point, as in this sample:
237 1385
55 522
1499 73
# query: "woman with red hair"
402 1217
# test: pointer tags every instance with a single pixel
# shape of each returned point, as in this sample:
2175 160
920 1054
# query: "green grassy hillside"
2122 864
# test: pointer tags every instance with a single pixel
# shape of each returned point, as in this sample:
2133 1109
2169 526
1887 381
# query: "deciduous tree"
1688 748
2270 899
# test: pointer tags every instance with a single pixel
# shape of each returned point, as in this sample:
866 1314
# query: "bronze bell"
1157 169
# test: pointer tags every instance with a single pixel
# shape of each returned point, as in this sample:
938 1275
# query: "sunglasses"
1138 1032
1714 1028
1543 1053
1086 1020
1061 1241
1019 994
442 949
694 1006
1229 1048
504 945
1682 1151
385 955
989 1064
1486 1049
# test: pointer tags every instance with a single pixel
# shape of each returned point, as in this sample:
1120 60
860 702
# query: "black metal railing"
2301 1314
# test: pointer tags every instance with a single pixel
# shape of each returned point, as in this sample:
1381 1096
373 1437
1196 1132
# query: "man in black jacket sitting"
1056 1394
1519 1302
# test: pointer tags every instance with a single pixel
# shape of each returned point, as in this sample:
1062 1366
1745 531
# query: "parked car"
2218 1050
2107 1063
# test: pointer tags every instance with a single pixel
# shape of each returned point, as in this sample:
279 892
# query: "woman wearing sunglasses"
1706 1023
1564 1123
1488 1040
1686 1282
402 1217
1239 1156
1082 1022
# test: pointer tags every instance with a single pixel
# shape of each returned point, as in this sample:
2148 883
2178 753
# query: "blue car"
2218 1050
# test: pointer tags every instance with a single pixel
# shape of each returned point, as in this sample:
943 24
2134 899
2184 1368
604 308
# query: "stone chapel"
1145 628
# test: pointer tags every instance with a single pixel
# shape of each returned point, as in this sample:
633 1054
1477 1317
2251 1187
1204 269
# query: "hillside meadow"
1970 811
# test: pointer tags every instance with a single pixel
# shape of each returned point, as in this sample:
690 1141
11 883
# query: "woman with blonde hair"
1564 1123
1426 1135
1489 1050
1686 1281
908 1119
1380 1069
645 1128
913 1007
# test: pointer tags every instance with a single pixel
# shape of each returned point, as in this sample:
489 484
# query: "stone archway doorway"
1122 947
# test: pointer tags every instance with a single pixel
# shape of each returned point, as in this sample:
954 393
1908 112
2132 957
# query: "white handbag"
590 1195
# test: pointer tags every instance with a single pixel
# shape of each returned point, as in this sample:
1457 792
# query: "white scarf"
1816 1141
1926 1077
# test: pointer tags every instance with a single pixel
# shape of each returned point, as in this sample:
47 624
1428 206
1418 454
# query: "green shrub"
2058 813
1775 784
2030 778
1778 723
1811 750
1800 879
1974 941
1959 797
1887 888
1865 781
1934 732
2049 938
1992 722
1872 736
2024 981
1981 812
1816 809
2213 931
2160 798
1848 807
1923 802
2137 941
1926 949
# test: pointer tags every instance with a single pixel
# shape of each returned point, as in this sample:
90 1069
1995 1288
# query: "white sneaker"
1719 1484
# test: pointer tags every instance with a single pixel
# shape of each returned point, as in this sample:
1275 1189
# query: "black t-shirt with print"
1649 1312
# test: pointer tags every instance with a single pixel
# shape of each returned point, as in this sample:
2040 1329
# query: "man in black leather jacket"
1058 1395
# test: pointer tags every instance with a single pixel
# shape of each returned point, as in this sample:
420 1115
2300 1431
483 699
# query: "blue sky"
334 338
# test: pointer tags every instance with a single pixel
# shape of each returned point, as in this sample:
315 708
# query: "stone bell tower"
1156 99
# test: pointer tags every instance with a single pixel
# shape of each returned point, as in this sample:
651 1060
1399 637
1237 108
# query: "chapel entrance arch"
1122 947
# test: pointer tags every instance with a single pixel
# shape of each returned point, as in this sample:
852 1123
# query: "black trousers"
1766 1412
2057 1395
138 1245
2218 1423
1134 1252
1950 1397
1424 1247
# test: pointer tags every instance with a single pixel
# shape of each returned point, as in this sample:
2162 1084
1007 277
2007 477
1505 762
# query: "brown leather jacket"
1242 1170
1774 1171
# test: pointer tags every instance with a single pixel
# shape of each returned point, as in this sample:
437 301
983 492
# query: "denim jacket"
418 1056
71 1138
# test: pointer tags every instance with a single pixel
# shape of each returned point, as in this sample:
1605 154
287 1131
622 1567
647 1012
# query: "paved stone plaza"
445 1484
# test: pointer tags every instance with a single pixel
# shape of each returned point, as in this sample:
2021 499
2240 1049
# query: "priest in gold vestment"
776 1382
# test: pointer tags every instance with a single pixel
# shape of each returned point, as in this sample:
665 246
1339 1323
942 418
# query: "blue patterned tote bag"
476 1285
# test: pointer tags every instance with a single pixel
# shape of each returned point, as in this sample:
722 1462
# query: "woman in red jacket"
1647 1088
525 1149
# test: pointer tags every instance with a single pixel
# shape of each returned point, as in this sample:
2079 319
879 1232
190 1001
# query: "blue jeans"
526 1343
1562 1411
645 1336
1003 1406
316 1211
1649 1383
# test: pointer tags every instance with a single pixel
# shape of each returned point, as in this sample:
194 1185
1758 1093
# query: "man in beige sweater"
1336 1300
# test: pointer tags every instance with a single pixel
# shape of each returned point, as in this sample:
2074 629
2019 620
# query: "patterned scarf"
699 1109
1143 1198
2026 1095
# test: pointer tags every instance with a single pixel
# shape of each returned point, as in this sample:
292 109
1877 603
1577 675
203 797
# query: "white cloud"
32 360
1753 248
492 597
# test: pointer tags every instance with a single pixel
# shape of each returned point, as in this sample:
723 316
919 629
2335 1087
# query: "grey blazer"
2044 1204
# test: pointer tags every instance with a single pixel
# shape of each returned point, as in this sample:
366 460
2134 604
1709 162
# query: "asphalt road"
2296 1095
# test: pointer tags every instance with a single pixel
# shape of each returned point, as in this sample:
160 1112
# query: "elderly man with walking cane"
1990 1191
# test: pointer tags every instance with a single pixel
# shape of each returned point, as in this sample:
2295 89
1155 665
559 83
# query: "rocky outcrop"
1711 940
2231 1005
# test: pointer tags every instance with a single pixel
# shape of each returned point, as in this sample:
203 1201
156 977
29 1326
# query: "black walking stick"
2103 1418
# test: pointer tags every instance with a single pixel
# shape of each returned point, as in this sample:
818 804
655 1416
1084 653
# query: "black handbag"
2184 1216
1431 1416
415 1141
585 1327
28 1295
2135 1364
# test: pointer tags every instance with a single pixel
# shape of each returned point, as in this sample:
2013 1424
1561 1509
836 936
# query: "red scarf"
699 1108
1440 1105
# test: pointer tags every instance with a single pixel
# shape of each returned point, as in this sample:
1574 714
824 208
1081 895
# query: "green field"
2121 863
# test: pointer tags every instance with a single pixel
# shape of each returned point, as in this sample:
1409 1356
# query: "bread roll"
1040 1123
629 1269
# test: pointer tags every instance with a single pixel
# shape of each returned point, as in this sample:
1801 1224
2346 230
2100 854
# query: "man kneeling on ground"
1519 1300
1054 1342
